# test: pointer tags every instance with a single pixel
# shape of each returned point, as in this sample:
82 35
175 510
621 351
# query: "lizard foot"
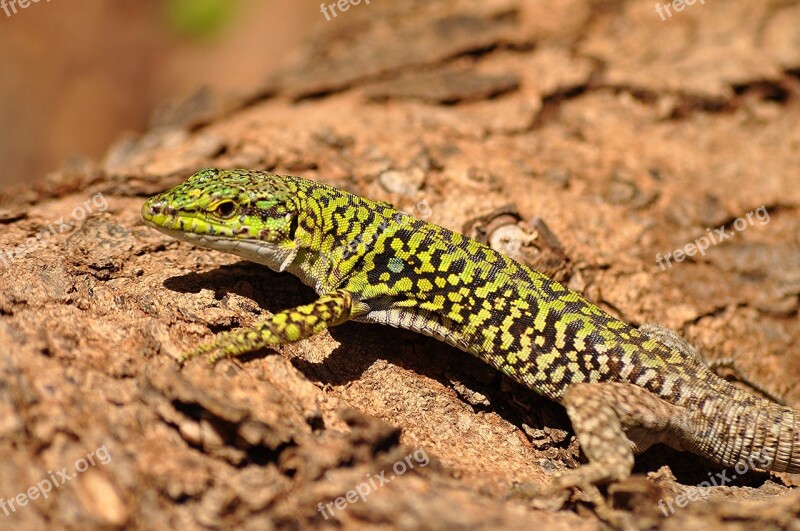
227 344
554 496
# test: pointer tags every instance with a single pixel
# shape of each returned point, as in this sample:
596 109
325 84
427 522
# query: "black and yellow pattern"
372 263
287 326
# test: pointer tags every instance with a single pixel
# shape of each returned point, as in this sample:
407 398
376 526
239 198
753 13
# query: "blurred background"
78 74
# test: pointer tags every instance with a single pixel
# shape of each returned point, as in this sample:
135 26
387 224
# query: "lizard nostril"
151 208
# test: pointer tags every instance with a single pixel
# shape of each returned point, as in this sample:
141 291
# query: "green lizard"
624 388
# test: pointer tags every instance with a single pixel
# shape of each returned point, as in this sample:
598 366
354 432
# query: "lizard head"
244 212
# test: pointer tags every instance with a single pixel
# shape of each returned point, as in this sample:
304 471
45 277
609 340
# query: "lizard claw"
216 349
526 490
228 345
551 495
554 496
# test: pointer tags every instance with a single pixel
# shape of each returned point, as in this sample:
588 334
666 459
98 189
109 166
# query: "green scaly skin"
624 388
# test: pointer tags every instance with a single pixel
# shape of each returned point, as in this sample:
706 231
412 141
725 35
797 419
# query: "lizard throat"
273 256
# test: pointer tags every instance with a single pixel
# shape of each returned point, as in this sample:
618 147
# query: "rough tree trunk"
625 134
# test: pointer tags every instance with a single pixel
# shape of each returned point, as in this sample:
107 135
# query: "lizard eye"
225 209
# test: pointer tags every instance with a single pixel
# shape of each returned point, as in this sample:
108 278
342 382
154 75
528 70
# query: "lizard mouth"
167 219
158 215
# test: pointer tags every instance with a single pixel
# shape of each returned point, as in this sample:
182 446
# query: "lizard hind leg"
614 421
771 431
673 340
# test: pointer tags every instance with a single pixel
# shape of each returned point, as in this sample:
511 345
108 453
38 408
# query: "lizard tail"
748 432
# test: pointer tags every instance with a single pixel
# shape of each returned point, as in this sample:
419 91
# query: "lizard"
624 388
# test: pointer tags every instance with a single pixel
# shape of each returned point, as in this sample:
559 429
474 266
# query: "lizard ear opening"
293 226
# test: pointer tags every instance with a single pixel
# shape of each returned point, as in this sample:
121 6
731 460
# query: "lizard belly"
426 323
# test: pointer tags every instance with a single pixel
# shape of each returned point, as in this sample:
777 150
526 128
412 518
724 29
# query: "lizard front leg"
287 326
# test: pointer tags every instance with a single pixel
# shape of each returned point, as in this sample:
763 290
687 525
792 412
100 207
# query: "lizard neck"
334 234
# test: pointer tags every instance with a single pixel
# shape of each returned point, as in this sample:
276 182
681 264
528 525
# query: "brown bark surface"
609 135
